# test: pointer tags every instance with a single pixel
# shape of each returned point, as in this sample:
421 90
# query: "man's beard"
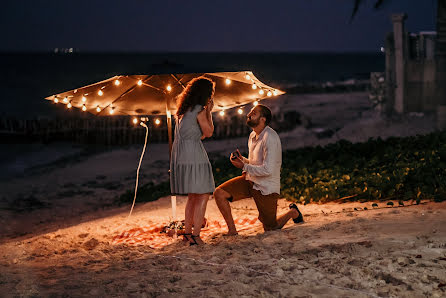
253 122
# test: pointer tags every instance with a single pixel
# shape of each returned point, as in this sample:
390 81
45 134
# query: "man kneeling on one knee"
260 179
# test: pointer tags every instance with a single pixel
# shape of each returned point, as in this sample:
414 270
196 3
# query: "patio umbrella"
142 95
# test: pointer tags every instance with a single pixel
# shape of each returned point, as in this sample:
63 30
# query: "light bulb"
269 93
240 111
275 92
56 100
98 109
169 88
84 108
84 99
112 110
69 105
228 81
247 77
135 120
100 93
117 82
255 103
254 86
261 92
157 121
140 83
222 113
65 99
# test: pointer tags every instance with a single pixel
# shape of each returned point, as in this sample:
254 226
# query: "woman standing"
190 169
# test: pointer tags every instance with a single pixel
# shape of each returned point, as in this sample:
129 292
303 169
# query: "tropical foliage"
410 168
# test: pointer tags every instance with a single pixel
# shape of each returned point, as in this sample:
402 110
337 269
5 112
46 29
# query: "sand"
59 218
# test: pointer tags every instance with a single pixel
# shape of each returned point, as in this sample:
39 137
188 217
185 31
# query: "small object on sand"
365 208
418 257
356 209
374 205
440 285
401 203
390 204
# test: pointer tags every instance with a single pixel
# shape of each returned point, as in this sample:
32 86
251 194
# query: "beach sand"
59 219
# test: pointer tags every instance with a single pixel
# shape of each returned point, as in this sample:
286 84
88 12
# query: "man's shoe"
300 218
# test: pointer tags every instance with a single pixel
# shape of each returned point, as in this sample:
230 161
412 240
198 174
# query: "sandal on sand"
300 218
186 237
194 239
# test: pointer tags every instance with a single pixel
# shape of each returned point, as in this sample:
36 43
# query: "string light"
84 108
100 93
228 81
69 105
275 92
240 111
255 103
169 88
56 100
247 77
117 82
65 99
157 121
222 113
254 86
140 83
261 92
112 111
84 99
269 93
135 120
98 109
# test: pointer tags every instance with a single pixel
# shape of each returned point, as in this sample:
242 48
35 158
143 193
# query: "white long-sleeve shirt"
263 164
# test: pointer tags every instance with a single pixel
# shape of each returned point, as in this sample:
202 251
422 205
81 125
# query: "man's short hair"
265 112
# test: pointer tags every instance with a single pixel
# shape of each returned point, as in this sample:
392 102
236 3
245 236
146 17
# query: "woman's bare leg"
189 214
201 201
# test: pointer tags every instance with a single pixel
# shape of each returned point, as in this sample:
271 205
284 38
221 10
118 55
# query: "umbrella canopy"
139 95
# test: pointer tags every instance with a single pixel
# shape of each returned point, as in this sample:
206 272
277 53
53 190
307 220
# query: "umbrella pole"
173 199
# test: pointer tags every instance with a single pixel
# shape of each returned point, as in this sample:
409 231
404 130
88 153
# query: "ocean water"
26 79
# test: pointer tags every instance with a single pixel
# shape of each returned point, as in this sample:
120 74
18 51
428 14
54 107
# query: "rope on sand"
270 275
139 166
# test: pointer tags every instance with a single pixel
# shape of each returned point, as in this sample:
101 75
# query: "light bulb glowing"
254 86
275 92
222 113
84 108
228 81
269 93
100 93
135 120
247 77
65 99
117 82
69 105
157 121
84 99
169 88
56 100
255 103
261 92
98 109
112 111
240 111
140 83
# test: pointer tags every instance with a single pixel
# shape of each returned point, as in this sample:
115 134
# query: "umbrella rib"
179 82
123 94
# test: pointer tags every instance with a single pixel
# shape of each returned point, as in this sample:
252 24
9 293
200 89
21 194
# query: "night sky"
176 26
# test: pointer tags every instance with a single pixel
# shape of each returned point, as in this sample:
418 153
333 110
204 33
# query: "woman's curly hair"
197 92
